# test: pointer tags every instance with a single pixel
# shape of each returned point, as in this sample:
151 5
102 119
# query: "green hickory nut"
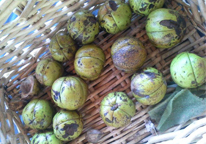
67 125
47 71
117 109
144 7
165 27
128 54
148 87
188 70
114 16
83 27
89 62
62 47
69 92
45 138
38 114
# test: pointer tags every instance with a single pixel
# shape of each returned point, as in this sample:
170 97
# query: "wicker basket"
24 41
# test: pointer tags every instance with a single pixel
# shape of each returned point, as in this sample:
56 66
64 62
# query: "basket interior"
18 62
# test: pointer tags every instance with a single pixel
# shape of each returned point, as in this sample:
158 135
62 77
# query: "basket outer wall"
19 45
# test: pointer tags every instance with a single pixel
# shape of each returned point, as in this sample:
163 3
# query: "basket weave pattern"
25 41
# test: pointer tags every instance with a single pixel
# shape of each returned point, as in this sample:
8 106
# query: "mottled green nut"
165 27
89 62
128 54
29 87
117 109
188 70
67 125
48 70
38 114
83 27
62 47
45 138
69 92
114 16
144 7
149 87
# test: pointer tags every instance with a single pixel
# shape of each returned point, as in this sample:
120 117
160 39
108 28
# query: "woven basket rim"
13 73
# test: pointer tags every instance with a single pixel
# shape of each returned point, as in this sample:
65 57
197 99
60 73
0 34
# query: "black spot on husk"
114 107
150 74
73 19
69 129
113 5
170 24
79 38
56 95
91 19
137 92
143 8
151 6
109 121
105 113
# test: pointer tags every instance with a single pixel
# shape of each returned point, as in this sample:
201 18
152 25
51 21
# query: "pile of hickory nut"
165 29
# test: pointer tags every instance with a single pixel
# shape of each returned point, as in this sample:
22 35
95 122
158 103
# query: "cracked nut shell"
83 27
48 70
114 16
38 114
29 87
67 125
62 47
148 87
128 54
165 27
45 138
144 7
89 62
69 92
188 70
117 109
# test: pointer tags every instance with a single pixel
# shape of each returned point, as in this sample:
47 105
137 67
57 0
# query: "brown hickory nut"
128 54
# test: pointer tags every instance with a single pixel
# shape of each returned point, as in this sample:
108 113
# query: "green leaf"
156 112
183 106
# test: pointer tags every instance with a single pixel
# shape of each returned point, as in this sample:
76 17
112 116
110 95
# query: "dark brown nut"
128 54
